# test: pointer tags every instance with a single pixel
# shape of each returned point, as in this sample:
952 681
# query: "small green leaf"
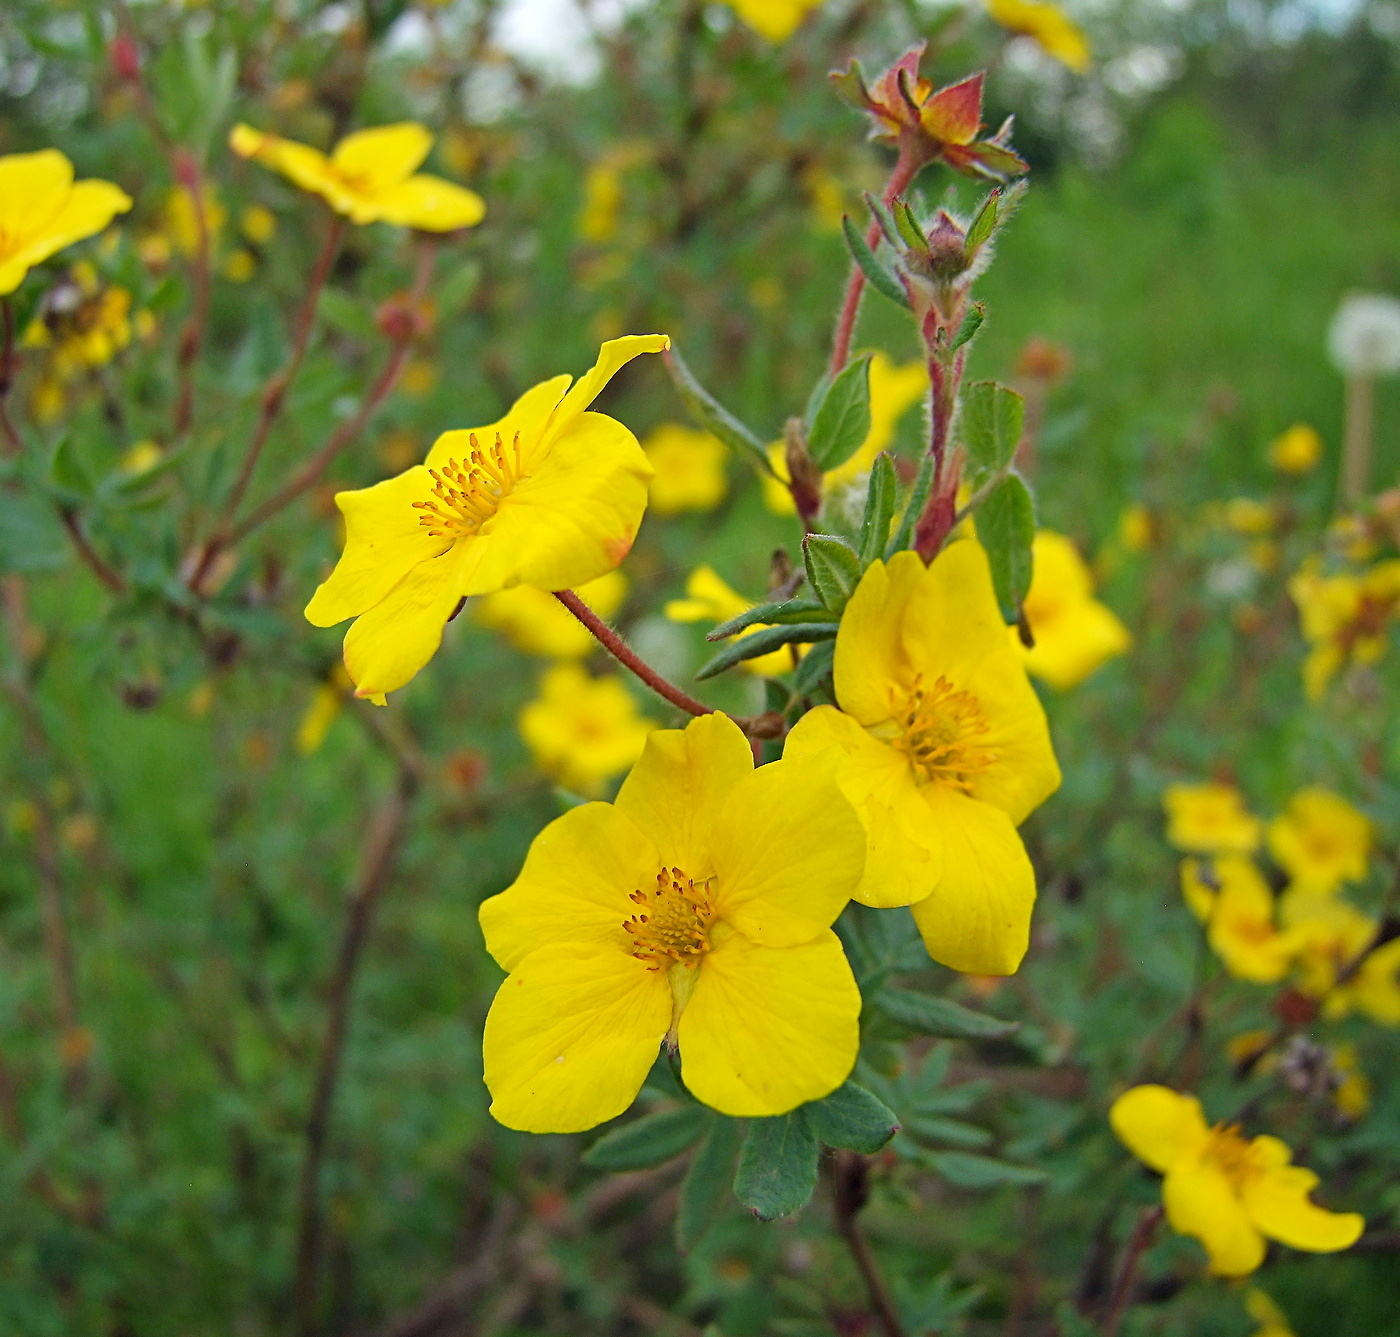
339 311
66 470
31 538
992 418
984 224
791 610
765 641
971 324
879 509
966 1169
833 569
908 225
930 1015
649 1140
814 670
713 416
852 1118
842 421
950 1132
918 495
1006 526
879 278
778 1166
706 1182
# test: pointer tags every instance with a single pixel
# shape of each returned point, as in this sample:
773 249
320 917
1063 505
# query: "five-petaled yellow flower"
1229 1192
1210 818
690 469
1320 841
371 176
775 20
43 210
1074 633
1229 896
943 749
696 908
1048 26
708 598
549 496
536 623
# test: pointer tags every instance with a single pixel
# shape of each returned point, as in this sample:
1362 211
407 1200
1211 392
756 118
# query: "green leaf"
1006 526
816 667
908 225
881 279
778 1166
340 311
791 610
966 1169
923 483
992 418
706 1182
833 569
649 1140
765 641
67 472
953 1132
842 421
984 224
852 1118
971 323
31 538
931 1015
713 416
879 509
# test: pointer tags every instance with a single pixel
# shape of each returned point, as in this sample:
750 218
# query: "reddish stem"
1143 1230
188 174
14 443
110 577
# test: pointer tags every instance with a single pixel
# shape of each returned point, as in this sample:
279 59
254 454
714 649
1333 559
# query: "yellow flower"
893 391
181 227
326 704
1245 515
258 223
1135 527
1320 840
536 623
1352 1095
1297 450
582 731
240 265
709 599
1074 633
1229 896
1229 1192
1048 26
696 908
1336 963
826 196
142 458
943 749
371 176
550 496
690 469
1344 618
82 323
1210 818
603 190
1265 1312
43 210
775 20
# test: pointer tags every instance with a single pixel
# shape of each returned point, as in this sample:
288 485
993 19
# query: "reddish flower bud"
125 57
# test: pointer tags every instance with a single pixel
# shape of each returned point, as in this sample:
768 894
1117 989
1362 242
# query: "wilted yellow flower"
776 20
1074 633
709 599
371 176
1266 1313
1229 896
690 469
1320 840
1297 450
550 496
1345 618
582 731
1229 1192
43 210
941 745
1210 818
536 623
696 909
1048 26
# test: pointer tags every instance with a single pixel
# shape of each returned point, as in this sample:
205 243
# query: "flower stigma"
468 495
938 728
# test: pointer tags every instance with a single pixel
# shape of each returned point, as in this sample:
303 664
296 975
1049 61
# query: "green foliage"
1006 528
842 418
778 1165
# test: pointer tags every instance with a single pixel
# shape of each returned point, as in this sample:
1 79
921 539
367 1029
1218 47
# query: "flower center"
465 496
1228 1151
939 726
672 924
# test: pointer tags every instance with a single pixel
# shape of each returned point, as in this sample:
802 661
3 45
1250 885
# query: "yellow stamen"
465 496
673 925
938 726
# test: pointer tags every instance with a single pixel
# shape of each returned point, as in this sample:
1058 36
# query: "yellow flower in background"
690 469
1345 618
1074 633
43 211
1048 26
775 20
549 496
1245 515
142 458
696 909
941 745
1229 896
826 196
1297 450
258 223
1267 1314
582 731
371 176
1210 818
82 323
327 702
536 623
603 191
893 392
182 217
1135 527
709 599
1228 1192
1337 964
1320 840
1352 1095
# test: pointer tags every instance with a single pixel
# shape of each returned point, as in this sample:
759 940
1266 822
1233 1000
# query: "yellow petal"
32 188
1161 1127
301 164
679 785
432 205
769 1028
612 357
574 885
535 622
788 852
1073 643
571 1036
378 159
1376 987
978 919
527 416
870 657
1277 1203
1201 1202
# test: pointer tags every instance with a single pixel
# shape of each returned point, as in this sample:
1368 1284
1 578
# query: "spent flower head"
1364 337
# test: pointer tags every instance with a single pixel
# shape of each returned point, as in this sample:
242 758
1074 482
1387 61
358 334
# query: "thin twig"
107 574
1143 1230
850 1187
14 443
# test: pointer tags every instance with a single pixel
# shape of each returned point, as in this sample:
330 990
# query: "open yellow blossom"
1345 618
582 731
1297 450
775 20
1229 896
1336 962
1266 1313
43 210
1210 818
697 909
690 469
1229 1192
371 176
1320 840
894 390
1048 26
549 496
1074 633
536 623
709 599
942 746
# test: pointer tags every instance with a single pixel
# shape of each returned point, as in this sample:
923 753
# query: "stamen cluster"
938 726
675 925
468 495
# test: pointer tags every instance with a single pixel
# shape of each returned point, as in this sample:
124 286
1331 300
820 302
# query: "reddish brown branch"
850 1190
14 443
1143 1230
89 555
